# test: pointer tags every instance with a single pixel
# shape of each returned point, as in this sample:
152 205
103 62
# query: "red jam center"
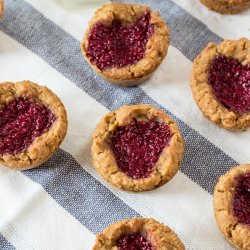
21 121
119 45
241 204
133 242
137 147
230 81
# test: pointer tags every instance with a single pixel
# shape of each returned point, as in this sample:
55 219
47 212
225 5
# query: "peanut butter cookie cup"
125 43
33 123
221 83
138 233
232 206
137 148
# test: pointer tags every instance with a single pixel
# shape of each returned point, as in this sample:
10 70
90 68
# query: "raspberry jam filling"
119 45
21 121
137 147
241 205
230 80
133 241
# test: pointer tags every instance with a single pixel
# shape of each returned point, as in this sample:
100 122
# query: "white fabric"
226 26
31 219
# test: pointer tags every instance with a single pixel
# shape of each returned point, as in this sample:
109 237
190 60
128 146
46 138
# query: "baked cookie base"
23 168
129 83
117 81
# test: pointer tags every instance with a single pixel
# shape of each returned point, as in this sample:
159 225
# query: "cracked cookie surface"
203 92
156 45
48 129
227 195
104 160
154 236
227 6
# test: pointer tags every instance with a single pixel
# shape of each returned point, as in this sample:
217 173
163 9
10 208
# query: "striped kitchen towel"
64 203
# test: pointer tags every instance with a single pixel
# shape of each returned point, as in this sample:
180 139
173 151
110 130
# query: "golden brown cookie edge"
1 7
226 7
